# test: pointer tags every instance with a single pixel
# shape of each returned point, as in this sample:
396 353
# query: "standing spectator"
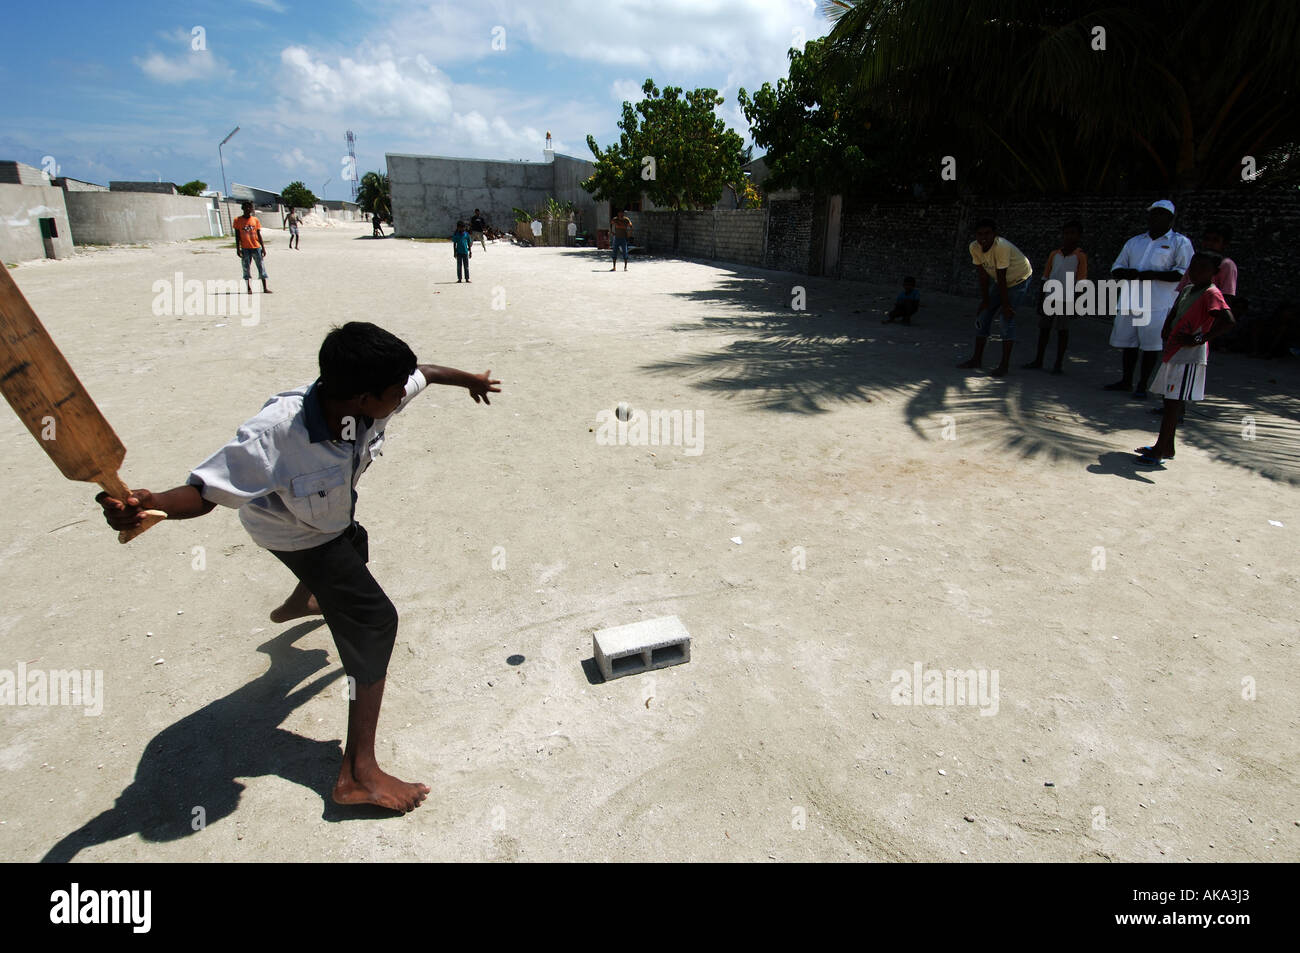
248 245
292 222
621 226
997 260
462 248
1066 266
1158 258
377 225
476 228
1199 314
1215 238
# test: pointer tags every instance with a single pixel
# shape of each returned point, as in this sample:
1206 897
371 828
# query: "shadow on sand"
194 762
807 362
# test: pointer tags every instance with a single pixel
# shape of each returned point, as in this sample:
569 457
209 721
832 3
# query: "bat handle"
115 488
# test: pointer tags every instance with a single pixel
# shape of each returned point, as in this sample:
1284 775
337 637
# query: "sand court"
895 515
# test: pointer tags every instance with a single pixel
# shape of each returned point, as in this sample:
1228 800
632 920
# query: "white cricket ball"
623 411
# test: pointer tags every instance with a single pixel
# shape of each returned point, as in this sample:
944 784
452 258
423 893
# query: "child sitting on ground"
906 304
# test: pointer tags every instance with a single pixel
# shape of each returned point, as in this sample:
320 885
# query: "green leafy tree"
818 137
297 195
192 188
373 195
672 147
1086 95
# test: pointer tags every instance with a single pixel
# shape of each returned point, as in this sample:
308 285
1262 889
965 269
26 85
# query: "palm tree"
373 195
1089 94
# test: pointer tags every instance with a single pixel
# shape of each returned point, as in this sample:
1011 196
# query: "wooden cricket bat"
48 398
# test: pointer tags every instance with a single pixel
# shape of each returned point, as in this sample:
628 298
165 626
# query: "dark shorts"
360 616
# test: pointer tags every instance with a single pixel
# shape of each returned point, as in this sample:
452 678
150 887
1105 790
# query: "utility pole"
225 195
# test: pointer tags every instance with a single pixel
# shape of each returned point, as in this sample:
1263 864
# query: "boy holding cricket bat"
291 472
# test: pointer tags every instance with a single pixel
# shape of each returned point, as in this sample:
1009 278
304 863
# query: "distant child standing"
477 226
1199 315
460 246
906 304
621 226
292 222
1066 267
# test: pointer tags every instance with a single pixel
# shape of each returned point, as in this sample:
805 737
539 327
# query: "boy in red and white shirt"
1199 315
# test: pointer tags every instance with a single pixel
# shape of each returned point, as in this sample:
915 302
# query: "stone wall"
789 234
881 240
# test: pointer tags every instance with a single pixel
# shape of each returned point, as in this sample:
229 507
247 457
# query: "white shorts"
1147 336
1180 381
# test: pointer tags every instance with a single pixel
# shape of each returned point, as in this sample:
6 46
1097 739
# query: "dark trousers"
462 264
360 616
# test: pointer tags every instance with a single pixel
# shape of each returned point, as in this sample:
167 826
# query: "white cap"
1165 204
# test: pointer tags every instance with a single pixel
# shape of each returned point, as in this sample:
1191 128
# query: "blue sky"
133 91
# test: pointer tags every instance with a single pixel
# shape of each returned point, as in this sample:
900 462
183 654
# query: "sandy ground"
1128 687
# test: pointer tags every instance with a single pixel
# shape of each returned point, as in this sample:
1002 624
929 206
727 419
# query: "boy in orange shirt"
248 245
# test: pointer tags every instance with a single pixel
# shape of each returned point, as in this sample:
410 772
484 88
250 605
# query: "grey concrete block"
641 646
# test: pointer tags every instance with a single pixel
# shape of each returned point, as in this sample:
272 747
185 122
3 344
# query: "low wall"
113 218
884 240
270 218
881 240
430 193
727 235
21 209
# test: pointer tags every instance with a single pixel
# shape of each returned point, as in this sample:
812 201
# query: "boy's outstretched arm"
478 385
181 503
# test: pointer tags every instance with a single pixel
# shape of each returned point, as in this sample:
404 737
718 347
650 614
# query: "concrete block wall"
568 175
20 173
69 184
110 218
430 193
21 209
157 188
728 235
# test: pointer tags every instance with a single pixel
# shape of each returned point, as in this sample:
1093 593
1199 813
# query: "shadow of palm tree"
194 762
788 361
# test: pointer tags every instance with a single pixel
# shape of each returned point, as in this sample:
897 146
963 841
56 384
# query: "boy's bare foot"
376 787
294 608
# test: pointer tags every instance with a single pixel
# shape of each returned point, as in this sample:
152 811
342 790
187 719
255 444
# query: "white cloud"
296 160
374 84
270 5
187 67
625 91
675 35
496 135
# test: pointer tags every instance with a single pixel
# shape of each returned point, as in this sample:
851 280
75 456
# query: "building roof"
20 173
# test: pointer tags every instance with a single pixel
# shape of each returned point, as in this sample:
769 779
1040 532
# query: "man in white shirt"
1151 265
291 472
